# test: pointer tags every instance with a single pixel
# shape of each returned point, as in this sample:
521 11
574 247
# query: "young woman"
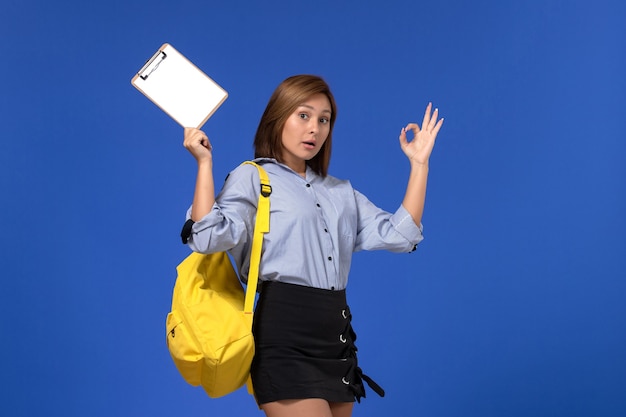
305 362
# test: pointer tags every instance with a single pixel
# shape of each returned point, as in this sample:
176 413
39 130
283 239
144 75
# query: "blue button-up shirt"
316 224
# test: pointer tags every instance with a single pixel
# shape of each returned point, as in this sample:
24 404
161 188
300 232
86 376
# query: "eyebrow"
313 108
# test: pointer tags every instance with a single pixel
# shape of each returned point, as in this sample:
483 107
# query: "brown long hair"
290 94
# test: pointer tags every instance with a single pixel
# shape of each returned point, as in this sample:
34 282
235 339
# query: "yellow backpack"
209 330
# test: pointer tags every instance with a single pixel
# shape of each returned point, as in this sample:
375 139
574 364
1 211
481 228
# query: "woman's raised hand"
198 144
418 150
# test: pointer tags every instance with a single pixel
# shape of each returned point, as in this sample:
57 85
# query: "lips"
309 144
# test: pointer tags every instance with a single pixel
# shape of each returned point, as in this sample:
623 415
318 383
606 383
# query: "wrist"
205 162
419 164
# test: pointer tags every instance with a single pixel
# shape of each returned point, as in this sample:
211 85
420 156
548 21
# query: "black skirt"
305 346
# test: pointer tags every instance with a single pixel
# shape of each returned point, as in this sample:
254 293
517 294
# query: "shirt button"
318 205
326 230
330 258
308 185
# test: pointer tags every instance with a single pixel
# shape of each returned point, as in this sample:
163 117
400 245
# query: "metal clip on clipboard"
152 64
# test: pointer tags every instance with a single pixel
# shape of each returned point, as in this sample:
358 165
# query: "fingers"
430 127
430 119
413 127
426 119
403 141
194 137
430 123
437 127
421 144
197 143
433 120
192 134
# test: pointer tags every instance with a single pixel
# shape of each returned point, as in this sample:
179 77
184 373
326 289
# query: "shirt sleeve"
378 229
229 224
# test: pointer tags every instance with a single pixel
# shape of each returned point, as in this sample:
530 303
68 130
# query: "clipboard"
179 88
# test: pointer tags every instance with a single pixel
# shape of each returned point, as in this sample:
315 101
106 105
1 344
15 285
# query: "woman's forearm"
204 195
416 191
198 144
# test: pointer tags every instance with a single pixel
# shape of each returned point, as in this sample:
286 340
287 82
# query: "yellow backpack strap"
261 226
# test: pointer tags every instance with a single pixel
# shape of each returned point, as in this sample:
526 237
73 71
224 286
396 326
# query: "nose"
313 126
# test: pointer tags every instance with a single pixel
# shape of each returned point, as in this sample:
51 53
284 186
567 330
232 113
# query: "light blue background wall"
514 305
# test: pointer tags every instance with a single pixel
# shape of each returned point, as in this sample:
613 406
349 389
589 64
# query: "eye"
303 116
324 120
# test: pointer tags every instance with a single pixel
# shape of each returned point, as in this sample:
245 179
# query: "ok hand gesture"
419 148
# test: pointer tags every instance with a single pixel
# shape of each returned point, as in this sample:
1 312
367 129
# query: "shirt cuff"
403 223
195 240
209 219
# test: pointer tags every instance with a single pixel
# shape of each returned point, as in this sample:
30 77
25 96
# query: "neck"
299 169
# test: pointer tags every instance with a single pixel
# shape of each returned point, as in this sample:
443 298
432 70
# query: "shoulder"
243 179
334 182
248 171
337 185
344 188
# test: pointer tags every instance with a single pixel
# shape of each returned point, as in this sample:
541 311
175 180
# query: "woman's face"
305 132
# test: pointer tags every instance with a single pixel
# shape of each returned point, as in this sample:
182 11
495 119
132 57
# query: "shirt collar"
310 174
